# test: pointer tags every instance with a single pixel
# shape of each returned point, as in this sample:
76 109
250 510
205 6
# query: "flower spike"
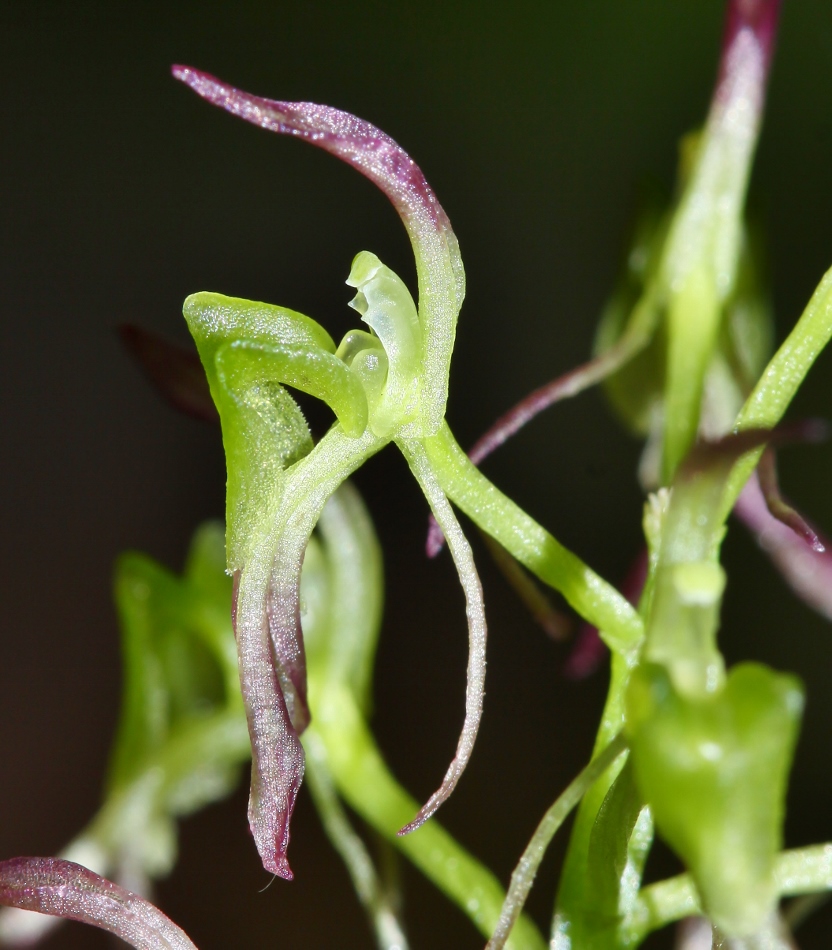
63 889
373 153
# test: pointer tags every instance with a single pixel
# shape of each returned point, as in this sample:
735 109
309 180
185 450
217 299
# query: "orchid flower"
386 385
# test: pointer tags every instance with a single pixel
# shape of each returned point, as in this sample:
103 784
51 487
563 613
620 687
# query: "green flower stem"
781 380
661 904
369 888
798 871
804 870
576 898
341 641
364 781
526 870
592 597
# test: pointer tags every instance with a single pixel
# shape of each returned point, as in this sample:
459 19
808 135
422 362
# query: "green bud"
714 770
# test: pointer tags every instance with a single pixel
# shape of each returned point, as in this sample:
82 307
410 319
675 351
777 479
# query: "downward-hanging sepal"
62 889
277 755
386 164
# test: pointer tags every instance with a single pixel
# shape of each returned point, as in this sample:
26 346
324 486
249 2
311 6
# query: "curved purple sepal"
779 508
387 165
63 889
359 143
277 756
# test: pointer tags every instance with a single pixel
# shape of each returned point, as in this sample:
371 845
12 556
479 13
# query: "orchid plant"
686 748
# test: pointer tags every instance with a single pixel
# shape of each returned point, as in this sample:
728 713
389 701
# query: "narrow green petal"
422 469
243 366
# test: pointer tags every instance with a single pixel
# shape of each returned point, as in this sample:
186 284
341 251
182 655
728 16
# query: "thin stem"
804 870
661 904
365 879
798 871
526 870
781 380
556 624
636 336
365 782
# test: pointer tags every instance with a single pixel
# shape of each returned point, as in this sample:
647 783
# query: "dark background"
121 193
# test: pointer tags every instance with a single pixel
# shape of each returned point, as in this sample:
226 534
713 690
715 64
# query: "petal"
422 469
243 366
277 755
263 429
387 165
269 642
64 889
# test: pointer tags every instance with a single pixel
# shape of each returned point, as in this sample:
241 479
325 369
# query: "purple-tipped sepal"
277 756
357 142
370 151
779 508
63 889
759 18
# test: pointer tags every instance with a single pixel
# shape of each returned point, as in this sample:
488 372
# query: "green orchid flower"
388 383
